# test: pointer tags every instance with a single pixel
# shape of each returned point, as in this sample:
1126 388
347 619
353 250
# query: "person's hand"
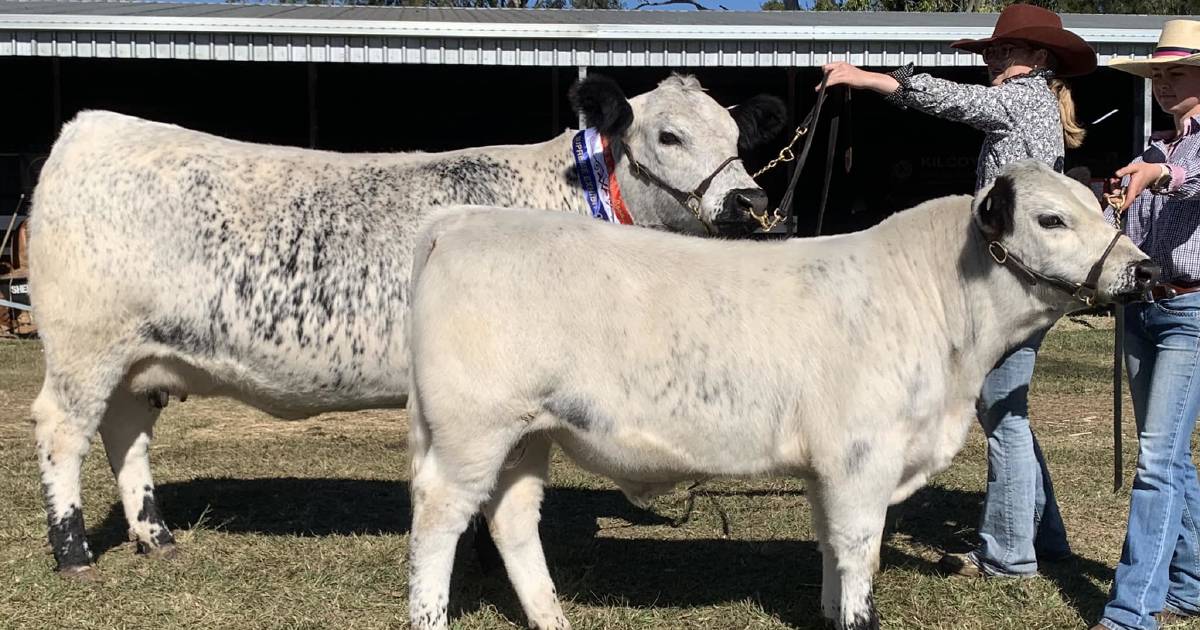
1114 195
1141 175
842 73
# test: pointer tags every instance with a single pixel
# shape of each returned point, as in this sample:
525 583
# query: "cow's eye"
668 138
1051 221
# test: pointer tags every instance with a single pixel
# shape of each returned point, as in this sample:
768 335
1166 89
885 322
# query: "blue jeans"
1160 561
1020 519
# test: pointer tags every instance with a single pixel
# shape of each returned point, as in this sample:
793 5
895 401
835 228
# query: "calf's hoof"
80 573
161 552
557 623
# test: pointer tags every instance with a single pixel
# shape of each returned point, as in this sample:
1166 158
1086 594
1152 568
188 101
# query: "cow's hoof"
161 552
80 573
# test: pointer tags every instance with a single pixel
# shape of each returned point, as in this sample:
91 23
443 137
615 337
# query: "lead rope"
768 222
1116 200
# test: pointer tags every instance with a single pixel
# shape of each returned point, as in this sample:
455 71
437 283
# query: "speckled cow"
166 261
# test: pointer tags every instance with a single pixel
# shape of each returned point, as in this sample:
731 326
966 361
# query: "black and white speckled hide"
169 260
663 369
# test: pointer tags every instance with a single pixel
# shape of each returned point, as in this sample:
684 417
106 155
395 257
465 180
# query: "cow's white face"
1054 225
683 137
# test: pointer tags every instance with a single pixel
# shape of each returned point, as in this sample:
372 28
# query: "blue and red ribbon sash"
597 171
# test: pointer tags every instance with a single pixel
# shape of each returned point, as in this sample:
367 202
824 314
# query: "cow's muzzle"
1146 273
737 212
1145 286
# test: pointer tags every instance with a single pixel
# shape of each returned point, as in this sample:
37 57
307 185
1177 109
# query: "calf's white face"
1053 225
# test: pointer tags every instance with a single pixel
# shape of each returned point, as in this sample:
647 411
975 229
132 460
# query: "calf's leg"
831 583
852 508
454 470
512 514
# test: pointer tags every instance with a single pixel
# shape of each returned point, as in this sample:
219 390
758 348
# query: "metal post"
583 70
1143 117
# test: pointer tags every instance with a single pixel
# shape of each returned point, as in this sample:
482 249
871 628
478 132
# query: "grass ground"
299 525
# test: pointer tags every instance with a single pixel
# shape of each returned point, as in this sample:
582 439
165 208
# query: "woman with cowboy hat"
1026 112
1159 571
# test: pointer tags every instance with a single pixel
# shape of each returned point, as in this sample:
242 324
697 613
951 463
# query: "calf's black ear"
996 209
759 121
602 104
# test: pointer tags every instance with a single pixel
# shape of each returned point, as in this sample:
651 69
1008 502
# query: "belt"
1167 290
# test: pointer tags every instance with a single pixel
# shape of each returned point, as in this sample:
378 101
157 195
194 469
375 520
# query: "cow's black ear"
996 209
602 104
759 121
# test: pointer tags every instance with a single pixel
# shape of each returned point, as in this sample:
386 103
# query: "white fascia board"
281 26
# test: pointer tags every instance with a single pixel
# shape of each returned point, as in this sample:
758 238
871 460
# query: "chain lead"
786 155
768 223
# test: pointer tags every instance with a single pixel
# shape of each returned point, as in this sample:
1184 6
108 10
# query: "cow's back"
282 265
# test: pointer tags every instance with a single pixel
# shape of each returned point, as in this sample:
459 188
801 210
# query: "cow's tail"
418 426
418 432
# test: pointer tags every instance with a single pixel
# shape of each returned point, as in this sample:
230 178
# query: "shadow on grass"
947 520
782 576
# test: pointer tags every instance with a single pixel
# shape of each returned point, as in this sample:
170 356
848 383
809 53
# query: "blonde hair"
1072 133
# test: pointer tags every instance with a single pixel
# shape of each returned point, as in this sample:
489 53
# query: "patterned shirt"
1166 223
1019 117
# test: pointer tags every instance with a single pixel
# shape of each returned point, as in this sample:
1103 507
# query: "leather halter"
690 200
1083 291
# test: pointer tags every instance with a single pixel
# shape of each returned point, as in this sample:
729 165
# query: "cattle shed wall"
403 78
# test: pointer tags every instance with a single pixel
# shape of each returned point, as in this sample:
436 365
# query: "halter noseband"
1083 291
690 200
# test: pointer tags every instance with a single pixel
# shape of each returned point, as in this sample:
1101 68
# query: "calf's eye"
1050 221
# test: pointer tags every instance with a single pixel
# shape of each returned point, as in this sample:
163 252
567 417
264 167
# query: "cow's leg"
853 509
451 479
513 513
127 428
67 413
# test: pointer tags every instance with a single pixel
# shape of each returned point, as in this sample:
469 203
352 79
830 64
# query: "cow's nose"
740 202
1146 272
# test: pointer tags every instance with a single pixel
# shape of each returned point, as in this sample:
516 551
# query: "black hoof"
80 573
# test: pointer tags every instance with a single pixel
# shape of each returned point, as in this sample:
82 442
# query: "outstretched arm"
985 108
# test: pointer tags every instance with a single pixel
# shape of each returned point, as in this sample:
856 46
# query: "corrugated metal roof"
275 32
552 16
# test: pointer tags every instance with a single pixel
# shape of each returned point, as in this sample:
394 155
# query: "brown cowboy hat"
1043 29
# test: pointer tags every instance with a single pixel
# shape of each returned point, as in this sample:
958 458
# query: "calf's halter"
690 200
1083 291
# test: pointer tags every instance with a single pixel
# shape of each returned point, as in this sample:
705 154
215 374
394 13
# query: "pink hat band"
1174 51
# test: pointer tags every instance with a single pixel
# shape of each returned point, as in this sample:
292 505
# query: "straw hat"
1042 28
1179 43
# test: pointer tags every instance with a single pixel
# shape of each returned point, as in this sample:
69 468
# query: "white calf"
649 358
